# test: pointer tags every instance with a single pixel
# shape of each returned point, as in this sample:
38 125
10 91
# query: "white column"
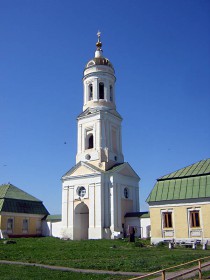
82 139
95 89
113 205
119 223
98 132
120 138
65 191
85 90
68 211
79 139
109 133
106 205
113 93
95 136
103 135
106 90
137 200
68 206
98 205
95 217
92 206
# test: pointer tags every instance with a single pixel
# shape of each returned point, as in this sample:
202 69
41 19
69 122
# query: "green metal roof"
10 191
191 182
54 218
137 214
200 168
13 199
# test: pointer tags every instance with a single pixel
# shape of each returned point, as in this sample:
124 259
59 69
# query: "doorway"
81 222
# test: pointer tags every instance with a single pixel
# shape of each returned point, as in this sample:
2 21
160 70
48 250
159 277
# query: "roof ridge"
208 164
183 177
6 189
188 171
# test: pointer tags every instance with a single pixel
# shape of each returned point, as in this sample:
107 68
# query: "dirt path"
181 274
62 268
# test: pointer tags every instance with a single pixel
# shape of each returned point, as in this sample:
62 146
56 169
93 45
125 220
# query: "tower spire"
99 51
99 44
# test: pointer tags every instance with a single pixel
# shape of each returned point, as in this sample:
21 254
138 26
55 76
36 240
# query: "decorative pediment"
125 169
81 169
127 172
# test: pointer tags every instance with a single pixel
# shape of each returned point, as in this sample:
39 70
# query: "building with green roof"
21 214
180 204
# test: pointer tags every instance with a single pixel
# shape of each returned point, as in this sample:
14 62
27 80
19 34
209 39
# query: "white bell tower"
101 188
99 125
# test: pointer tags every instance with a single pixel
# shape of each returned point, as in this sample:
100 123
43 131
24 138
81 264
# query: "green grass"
117 255
18 272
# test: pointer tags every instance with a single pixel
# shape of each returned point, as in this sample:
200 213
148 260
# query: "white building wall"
142 226
145 227
134 222
51 228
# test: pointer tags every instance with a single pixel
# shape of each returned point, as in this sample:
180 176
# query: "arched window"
90 141
101 91
111 93
90 91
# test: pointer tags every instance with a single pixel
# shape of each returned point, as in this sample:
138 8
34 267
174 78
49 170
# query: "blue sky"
161 53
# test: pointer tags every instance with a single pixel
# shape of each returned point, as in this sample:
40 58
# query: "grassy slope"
97 254
15 272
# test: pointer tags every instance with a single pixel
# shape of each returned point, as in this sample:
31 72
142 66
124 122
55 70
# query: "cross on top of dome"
99 44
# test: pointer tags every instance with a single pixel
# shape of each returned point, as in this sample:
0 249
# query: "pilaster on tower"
99 125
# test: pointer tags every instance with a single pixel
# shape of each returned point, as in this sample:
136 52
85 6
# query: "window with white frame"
89 138
167 219
10 224
25 225
89 141
38 226
194 218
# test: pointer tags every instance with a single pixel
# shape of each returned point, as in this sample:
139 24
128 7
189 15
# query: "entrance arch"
81 221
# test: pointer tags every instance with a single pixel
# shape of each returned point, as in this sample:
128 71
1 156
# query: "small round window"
88 157
81 191
126 193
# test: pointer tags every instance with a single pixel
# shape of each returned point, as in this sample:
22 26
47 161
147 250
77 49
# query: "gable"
124 169
80 169
127 171
83 170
